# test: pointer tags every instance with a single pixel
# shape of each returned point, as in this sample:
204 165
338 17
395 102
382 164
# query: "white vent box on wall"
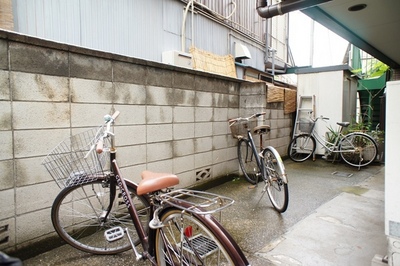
177 58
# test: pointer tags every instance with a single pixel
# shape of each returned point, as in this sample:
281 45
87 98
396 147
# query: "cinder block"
6 151
183 131
203 114
204 159
203 129
130 135
5 115
183 164
129 93
89 115
35 59
3 54
183 114
219 142
7 175
157 133
204 99
131 114
221 128
220 114
90 67
28 143
31 115
4 85
91 91
30 171
131 155
159 77
164 166
7 234
38 87
159 96
221 100
43 225
184 97
159 151
129 73
183 80
159 114
203 144
183 147
219 156
35 197
7 204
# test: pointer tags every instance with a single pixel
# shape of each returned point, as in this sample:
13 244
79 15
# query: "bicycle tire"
275 175
205 241
76 212
301 148
358 149
247 161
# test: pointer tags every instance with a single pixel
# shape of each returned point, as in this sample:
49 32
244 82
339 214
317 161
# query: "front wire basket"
199 202
239 128
74 161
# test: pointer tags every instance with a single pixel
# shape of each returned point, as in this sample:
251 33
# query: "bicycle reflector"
189 231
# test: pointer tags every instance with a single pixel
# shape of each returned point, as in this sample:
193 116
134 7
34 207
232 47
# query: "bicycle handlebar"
321 117
234 120
109 120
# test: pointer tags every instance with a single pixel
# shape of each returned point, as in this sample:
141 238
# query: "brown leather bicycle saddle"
152 181
262 129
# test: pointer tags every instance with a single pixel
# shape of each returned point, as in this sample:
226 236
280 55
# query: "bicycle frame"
116 178
259 162
331 147
147 239
143 237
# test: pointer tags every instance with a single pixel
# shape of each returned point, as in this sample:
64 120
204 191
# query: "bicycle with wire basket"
100 212
356 149
265 164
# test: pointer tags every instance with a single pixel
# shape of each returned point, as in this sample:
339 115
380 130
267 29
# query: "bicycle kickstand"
117 233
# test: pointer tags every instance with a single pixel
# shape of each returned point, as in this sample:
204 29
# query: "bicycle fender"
280 162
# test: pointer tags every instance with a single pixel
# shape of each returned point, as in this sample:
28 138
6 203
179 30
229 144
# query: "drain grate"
201 245
342 174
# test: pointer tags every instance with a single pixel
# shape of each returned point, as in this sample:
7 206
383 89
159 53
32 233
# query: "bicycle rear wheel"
247 161
358 149
301 148
77 217
277 187
189 239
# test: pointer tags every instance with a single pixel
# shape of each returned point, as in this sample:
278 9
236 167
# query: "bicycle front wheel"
358 149
248 162
188 239
275 174
301 148
78 216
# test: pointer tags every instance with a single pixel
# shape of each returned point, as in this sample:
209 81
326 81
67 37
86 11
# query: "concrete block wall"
172 120
253 100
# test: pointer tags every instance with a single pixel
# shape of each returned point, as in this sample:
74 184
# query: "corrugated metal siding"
146 28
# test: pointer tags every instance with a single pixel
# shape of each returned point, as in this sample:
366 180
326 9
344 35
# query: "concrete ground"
335 217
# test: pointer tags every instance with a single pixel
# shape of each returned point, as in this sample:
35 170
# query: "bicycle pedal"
114 234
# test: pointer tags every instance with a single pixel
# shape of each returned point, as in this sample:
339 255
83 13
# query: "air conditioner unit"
177 58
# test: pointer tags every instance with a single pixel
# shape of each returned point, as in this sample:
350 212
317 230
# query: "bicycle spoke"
358 149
